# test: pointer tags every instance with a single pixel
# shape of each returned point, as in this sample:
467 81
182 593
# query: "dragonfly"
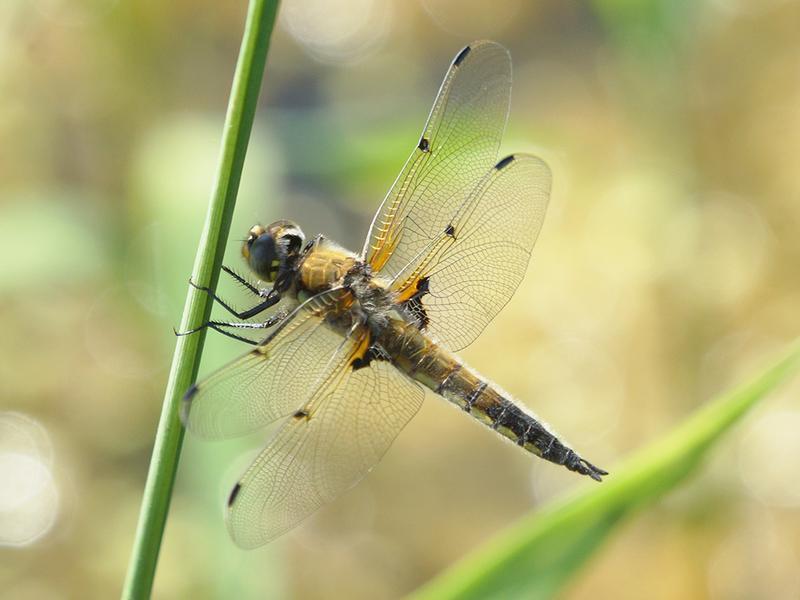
354 340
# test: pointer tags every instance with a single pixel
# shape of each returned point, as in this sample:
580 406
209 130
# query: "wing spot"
504 162
450 230
462 55
234 493
190 393
424 145
301 414
423 285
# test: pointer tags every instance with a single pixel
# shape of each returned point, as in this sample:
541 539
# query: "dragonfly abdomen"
439 370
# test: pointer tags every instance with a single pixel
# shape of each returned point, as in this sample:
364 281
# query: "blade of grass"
537 557
197 309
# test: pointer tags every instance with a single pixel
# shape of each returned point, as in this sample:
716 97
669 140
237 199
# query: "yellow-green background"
668 269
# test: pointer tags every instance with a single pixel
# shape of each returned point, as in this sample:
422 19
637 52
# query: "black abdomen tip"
584 467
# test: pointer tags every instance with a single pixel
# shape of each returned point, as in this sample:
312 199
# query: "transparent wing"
475 263
457 148
271 381
343 431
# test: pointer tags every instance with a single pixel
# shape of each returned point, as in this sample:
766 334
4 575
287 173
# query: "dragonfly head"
272 249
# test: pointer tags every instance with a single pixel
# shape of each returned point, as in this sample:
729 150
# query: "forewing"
457 148
271 381
342 432
477 260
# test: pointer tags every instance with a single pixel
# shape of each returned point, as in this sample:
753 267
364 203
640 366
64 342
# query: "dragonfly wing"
342 431
473 266
271 381
457 148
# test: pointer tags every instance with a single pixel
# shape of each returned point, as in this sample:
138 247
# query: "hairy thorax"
327 265
324 266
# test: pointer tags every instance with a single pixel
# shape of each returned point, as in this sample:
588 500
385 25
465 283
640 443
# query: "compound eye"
256 231
264 258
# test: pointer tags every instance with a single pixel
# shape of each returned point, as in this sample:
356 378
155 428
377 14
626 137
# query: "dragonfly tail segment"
498 411
438 369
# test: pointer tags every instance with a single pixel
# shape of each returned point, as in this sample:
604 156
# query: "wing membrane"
271 381
475 263
351 421
458 147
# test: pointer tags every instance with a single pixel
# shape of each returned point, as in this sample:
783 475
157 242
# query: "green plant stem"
537 557
188 349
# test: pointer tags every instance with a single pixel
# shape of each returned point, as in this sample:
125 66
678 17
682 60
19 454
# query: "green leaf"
537 557
197 309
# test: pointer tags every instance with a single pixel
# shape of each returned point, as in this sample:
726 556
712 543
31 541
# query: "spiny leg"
247 284
219 325
271 298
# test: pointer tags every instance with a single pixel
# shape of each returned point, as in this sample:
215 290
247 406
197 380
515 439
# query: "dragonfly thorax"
374 300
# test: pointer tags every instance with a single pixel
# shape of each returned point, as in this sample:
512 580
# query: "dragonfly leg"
253 289
218 327
222 327
271 297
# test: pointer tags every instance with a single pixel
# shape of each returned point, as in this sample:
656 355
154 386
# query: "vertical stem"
169 436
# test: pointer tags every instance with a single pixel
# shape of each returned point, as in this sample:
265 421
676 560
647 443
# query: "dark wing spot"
462 55
300 414
414 306
186 405
423 286
234 493
190 393
363 361
424 145
450 230
504 162
374 352
418 312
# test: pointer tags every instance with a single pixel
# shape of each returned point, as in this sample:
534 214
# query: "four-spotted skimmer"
357 337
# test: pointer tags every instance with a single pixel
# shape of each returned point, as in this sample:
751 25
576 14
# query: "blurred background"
667 271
